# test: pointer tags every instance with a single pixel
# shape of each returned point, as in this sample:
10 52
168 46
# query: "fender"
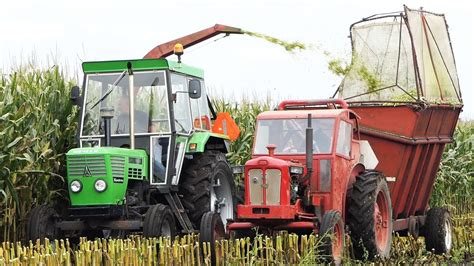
202 141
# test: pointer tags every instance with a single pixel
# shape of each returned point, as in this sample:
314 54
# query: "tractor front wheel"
42 223
159 221
211 229
438 230
332 234
370 216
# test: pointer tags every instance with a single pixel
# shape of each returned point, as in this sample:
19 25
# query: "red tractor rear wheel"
370 216
332 233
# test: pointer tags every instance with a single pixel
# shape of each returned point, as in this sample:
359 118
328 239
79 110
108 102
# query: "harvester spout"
166 49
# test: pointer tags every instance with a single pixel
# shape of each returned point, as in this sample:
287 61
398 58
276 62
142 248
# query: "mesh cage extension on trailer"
401 57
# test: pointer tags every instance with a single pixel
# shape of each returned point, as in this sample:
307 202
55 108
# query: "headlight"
100 185
76 186
298 170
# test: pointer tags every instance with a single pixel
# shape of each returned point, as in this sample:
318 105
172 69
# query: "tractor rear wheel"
438 230
207 184
210 230
332 234
370 216
42 223
159 221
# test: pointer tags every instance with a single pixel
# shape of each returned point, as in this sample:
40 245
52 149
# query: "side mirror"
194 89
75 94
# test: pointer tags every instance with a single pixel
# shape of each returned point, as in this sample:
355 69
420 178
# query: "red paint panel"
408 142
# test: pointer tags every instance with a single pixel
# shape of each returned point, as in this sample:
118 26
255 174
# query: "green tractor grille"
87 166
134 173
118 166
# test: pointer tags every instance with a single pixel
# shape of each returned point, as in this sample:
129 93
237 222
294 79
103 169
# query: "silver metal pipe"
131 100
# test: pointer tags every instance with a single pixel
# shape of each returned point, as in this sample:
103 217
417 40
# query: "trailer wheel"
370 216
210 230
332 233
42 223
438 230
159 221
207 184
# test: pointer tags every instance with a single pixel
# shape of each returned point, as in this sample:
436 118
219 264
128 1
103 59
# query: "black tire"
42 223
196 184
438 231
368 237
159 221
333 236
211 229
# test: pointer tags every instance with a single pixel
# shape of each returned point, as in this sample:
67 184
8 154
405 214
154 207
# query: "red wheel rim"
337 243
381 221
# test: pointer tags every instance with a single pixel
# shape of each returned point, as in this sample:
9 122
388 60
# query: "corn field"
38 124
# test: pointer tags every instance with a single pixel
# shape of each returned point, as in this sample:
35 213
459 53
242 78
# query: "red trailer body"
408 142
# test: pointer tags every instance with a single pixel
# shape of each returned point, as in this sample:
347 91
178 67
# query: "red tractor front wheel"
370 216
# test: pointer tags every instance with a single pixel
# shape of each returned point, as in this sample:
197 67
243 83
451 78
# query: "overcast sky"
70 32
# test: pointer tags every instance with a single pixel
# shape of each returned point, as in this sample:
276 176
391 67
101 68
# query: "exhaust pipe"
131 106
309 148
107 113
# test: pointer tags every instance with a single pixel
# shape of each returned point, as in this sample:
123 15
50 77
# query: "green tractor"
149 160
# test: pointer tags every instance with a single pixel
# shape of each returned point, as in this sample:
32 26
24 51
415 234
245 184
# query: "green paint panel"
185 69
113 165
140 65
201 138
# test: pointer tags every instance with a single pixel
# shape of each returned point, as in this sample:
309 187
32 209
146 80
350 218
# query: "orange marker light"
178 49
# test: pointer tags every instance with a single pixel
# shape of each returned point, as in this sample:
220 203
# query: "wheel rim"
337 243
448 235
221 197
166 228
381 221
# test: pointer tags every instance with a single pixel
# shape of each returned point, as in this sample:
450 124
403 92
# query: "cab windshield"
289 135
111 91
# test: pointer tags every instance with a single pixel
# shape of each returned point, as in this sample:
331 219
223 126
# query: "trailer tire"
211 229
159 221
438 230
333 236
370 216
42 223
199 187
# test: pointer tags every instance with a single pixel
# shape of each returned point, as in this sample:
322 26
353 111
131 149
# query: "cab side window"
344 138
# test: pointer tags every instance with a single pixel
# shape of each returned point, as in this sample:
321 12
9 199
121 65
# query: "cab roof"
315 113
141 65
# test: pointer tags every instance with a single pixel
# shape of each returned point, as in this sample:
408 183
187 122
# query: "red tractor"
310 172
